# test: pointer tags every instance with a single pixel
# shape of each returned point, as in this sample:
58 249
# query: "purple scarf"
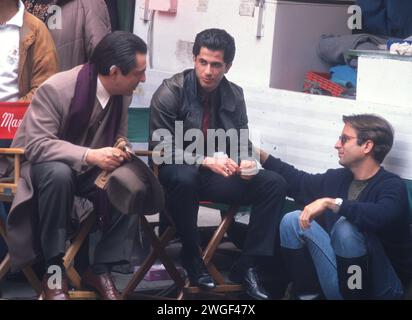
81 108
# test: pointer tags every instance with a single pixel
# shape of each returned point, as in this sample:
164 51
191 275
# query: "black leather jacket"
177 100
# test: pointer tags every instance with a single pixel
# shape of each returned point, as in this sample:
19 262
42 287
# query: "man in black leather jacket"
193 104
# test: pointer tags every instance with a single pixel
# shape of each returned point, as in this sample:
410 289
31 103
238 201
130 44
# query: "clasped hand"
226 167
107 158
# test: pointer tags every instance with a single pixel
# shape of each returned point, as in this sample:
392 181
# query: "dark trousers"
55 186
187 185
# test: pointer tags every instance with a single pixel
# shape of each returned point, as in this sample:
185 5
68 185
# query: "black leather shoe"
197 272
250 280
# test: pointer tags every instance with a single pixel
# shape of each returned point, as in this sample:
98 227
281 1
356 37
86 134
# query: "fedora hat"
133 189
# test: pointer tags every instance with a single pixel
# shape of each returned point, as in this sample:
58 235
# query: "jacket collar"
228 99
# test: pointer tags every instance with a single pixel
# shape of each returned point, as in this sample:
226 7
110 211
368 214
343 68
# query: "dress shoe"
197 272
55 294
102 283
250 280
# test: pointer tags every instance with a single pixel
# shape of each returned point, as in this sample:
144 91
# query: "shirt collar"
102 95
202 94
17 19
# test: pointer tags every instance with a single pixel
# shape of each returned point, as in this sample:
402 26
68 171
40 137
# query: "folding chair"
158 244
228 214
139 133
11 114
158 251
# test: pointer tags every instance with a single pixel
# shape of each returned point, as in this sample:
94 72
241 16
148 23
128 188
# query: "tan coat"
37 56
84 24
40 134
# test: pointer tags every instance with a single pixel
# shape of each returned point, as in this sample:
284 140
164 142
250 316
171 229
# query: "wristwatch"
338 203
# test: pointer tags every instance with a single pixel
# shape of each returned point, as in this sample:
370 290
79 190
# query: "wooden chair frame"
8 188
158 244
157 251
207 256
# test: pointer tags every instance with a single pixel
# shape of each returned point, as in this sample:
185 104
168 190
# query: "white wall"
302 129
173 37
385 79
298 28
279 59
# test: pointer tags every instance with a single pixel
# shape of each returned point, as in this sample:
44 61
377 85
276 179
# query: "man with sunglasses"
352 238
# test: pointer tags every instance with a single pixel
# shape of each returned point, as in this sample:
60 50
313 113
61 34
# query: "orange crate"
321 80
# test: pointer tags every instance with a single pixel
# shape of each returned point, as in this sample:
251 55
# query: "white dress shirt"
9 56
101 93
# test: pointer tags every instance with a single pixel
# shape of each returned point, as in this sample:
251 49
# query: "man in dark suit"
195 103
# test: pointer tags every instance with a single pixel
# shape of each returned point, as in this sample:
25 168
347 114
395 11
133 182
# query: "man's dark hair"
119 49
374 128
216 39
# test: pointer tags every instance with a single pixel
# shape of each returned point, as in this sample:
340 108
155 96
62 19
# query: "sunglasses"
344 138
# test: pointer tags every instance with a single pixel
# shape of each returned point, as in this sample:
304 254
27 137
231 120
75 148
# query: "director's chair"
158 244
228 213
139 133
11 114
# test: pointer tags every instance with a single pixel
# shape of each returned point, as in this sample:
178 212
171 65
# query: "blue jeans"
346 241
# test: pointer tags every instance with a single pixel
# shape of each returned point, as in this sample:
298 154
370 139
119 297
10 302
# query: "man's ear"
368 148
228 66
113 71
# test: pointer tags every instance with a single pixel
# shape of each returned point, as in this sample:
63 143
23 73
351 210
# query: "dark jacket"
382 207
177 100
387 17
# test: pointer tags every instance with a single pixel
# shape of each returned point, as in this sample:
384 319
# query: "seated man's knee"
179 176
55 173
290 223
347 241
272 182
